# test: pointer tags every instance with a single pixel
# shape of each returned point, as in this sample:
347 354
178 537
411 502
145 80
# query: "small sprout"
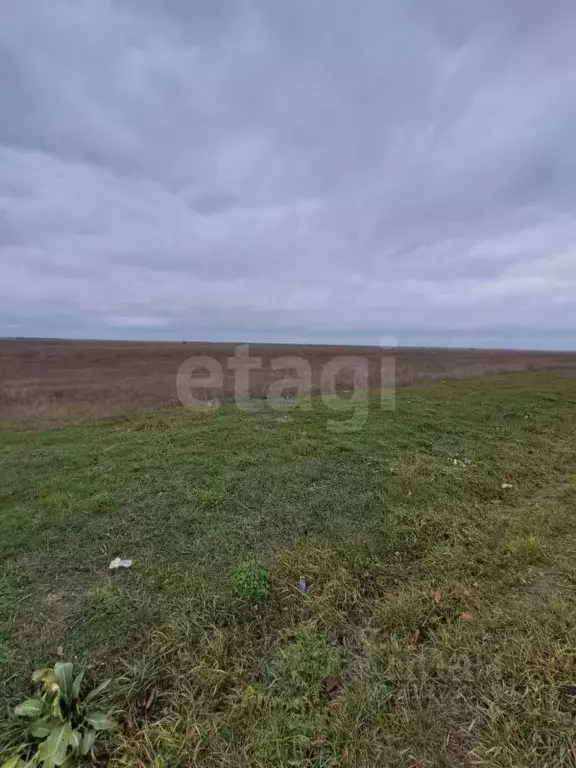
251 581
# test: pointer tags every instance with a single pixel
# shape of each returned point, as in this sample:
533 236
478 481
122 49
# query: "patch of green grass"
301 664
437 628
527 549
251 581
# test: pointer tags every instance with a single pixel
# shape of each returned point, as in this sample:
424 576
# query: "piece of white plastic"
119 563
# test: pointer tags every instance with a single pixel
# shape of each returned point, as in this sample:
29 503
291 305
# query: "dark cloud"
328 165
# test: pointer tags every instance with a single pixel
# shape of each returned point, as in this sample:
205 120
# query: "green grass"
439 624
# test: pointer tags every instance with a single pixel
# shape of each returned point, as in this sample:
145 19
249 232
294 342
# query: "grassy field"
439 623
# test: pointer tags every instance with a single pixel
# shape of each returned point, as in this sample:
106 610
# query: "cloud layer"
271 169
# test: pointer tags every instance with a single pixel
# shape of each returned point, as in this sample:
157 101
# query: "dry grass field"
59 379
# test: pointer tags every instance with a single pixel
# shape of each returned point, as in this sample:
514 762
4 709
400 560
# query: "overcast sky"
289 169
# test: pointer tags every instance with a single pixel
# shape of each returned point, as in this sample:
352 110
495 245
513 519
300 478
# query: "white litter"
119 563
507 485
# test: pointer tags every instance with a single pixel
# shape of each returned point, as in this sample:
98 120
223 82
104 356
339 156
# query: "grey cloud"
329 165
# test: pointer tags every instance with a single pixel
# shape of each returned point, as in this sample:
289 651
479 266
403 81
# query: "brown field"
58 379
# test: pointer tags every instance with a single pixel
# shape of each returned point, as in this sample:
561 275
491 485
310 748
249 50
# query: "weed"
251 582
59 724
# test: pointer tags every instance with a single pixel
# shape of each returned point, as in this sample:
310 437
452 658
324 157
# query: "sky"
312 170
